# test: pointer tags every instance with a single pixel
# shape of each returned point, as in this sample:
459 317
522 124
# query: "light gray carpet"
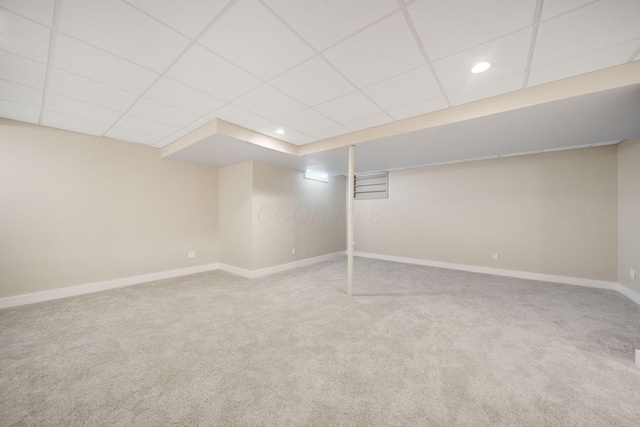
418 346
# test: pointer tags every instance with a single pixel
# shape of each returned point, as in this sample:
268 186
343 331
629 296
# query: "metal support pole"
351 188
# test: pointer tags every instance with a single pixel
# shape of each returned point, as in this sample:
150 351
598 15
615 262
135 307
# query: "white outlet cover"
632 273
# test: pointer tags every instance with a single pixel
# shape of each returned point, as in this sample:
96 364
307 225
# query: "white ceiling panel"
596 26
381 51
212 74
308 121
487 90
22 70
583 64
408 88
123 30
169 139
146 126
508 56
188 18
24 113
95 64
367 122
162 113
348 108
552 8
21 94
239 116
418 108
171 92
83 110
324 23
269 102
38 10
290 135
76 124
23 37
251 37
132 136
83 89
330 132
448 27
313 82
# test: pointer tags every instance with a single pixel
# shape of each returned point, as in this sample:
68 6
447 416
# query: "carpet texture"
416 346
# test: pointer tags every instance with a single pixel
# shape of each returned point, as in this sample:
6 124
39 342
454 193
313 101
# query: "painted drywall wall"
77 209
552 213
629 213
290 212
235 205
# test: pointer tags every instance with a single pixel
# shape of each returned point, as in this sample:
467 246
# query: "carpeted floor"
416 346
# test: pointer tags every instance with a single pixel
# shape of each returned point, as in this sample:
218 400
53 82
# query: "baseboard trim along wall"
102 286
253 274
601 284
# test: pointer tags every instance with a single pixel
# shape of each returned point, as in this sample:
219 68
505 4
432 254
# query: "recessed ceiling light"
279 131
480 67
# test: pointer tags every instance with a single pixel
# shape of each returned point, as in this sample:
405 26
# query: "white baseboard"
101 286
497 271
632 295
252 274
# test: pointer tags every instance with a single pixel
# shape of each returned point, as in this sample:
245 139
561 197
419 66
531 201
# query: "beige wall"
290 212
236 202
552 213
629 213
77 209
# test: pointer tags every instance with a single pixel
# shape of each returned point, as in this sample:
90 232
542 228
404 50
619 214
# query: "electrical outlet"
191 254
293 251
495 256
632 273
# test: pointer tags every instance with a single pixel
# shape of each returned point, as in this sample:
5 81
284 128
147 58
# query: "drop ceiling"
155 71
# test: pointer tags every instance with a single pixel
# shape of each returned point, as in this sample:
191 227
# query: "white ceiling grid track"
151 71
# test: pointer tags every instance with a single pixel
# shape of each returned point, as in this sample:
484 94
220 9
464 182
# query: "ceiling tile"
583 64
123 30
368 122
418 108
212 74
83 89
162 113
75 124
22 70
269 102
307 121
508 56
196 124
83 110
171 138
551 8
23 37
324 23
131 136
21 112
330 132
447 27
146 126
95 64
189 19
408 88
381 51
14 92
313 82
290 135
174 93
252 38
487 90
239 116
38 10
594 27
349 107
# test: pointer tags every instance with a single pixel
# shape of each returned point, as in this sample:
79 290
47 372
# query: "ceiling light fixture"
279 131
480 67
